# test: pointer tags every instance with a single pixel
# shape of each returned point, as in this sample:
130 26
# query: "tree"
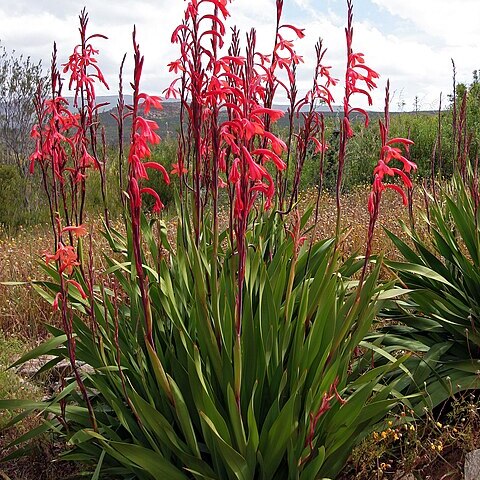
472 106
19 80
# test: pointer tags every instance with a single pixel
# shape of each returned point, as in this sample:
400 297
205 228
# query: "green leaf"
234 460
418 270
278 437
148 460
313 467
44 348
98 468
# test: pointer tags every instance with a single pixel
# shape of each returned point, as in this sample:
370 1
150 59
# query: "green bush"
440 316
281 401
165 154
12 207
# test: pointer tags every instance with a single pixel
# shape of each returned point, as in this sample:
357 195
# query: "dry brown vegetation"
23 313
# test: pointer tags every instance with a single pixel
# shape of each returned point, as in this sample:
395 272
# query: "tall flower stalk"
390 151
238 147
359 79
143 135
84 73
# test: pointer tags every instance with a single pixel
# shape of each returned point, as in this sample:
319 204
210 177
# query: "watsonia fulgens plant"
238 366
440 315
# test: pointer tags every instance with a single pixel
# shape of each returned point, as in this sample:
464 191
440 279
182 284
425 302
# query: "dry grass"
355 219
432 447
23 313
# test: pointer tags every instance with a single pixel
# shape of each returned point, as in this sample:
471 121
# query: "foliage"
20 79
11 385
235 354
471 93
440 316
177 402
10 184
13 211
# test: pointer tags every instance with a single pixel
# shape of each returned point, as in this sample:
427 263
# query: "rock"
31 367
472 465
63 368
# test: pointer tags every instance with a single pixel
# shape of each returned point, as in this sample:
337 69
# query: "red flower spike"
82 63
383 168
356 72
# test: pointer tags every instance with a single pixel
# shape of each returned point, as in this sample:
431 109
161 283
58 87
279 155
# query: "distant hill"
168 119
110 102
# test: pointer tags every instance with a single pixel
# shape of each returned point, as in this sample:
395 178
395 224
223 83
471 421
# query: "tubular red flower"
56 300
273 114
159 167
158 203
150 102
407 142
66 256
78 231
255 171
146 128
78 287
178 169
135 198
298 31
279 163
234 175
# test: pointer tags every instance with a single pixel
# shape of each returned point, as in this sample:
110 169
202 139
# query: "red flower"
78 287
160 168
78 231
149 102
178 169
57 298
146 128
176 66
66 256
299 31
158 203
234 175
356 72
82 63
383 168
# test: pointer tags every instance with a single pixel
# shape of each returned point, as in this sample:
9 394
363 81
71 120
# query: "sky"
410 42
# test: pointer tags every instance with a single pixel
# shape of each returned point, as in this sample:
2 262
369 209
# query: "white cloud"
456 23
451 30
417 62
